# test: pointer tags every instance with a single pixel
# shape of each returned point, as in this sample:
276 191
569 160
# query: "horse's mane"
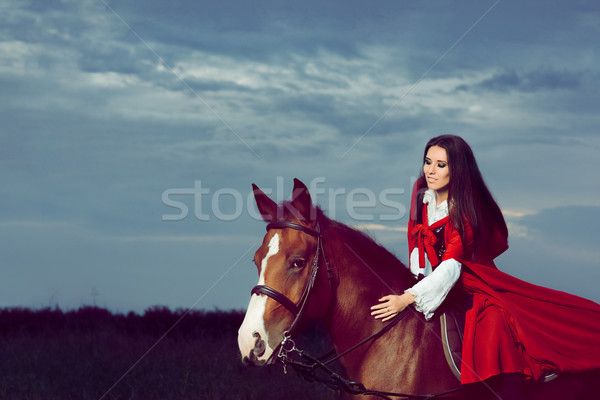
363 238
377 256
376 263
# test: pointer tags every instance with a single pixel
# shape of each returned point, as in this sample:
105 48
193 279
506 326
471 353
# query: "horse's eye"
299 263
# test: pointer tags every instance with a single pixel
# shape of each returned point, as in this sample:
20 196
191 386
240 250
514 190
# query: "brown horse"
312 268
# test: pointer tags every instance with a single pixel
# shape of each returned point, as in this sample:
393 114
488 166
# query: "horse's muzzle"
259 350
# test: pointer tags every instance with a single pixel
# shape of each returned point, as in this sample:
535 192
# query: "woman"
514 331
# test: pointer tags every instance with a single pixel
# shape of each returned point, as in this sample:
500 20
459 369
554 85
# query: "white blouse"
431 291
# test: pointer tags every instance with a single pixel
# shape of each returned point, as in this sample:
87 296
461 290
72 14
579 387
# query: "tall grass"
91 353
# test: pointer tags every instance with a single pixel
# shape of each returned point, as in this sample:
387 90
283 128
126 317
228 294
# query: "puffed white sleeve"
414 262
431 291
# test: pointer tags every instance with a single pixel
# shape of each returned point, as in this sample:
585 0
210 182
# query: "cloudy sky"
132 130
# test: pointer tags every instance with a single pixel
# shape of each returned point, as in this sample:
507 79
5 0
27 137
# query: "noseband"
296 309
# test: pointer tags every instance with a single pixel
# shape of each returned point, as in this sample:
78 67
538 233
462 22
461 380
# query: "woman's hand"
389 306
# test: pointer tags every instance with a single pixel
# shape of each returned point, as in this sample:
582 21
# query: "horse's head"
285 262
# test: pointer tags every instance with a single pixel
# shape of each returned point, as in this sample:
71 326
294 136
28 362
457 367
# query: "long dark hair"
469 200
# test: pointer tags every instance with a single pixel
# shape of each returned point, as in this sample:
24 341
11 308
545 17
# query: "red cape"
552 331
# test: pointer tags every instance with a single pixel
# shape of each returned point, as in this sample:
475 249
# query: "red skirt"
515 326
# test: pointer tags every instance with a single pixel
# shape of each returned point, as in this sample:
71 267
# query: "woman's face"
437 172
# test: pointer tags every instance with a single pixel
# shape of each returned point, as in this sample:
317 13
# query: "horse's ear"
302 202
266 206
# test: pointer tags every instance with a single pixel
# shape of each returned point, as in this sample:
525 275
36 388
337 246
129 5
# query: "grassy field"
91 353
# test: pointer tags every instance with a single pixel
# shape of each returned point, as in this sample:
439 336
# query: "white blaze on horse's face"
253 339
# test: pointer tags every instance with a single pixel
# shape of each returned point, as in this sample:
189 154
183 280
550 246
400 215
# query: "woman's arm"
431 291
428 294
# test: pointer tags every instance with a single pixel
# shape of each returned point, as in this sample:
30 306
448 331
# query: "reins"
290 355
288 352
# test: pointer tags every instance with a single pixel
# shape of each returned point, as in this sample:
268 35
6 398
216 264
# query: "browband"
285 224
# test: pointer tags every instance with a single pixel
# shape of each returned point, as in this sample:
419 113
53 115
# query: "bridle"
288 347
297 309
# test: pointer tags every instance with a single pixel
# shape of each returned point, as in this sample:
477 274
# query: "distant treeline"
154 321
91 353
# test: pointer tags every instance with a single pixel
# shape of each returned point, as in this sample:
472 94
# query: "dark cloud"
557 248
101 58
578 225
543 79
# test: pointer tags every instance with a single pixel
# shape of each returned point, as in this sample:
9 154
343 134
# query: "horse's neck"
412 345
361 282
408 358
